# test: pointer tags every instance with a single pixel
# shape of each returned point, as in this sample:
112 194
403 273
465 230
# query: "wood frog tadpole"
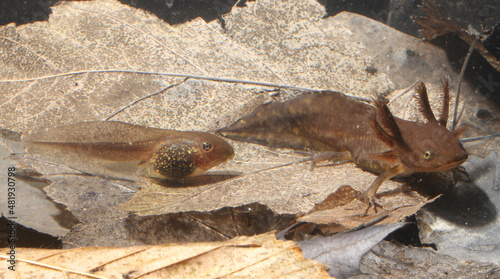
113 148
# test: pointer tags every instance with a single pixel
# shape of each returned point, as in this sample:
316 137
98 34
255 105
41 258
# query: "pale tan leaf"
300 187
260 256
99 35
302 48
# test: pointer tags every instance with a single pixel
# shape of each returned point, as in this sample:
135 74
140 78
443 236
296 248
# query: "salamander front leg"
370 195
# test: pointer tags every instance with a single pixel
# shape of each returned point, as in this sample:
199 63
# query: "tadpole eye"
428 155
207 146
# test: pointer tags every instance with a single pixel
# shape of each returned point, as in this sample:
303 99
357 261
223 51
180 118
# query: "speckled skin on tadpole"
175 160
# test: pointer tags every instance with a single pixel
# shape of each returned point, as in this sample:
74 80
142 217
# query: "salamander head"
191 155
430 147
422 147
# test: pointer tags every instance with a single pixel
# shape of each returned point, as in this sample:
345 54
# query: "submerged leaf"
393 261
31 207
349 215
342 253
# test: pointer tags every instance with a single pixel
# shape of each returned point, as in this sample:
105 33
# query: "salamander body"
350 130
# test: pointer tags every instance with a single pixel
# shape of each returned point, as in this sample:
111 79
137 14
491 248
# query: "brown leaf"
195 226
258 256
350 216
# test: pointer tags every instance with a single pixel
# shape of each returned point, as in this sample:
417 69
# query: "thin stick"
462 72
227 80
480 138
404 91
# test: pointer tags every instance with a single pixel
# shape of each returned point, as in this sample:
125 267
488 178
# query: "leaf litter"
312 54
258 256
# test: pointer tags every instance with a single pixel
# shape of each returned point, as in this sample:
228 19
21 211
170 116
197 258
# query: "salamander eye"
428 155
207 146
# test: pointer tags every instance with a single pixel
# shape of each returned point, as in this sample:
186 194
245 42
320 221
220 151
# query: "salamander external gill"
370 136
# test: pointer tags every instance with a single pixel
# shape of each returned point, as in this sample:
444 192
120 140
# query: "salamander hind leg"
317 157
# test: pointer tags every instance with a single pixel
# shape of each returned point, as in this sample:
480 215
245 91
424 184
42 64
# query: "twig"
462 72
480 138
404 91
227 80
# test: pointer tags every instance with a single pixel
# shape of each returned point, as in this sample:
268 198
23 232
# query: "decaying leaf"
393 261
349 216
342 253
192 105
196 226
259 256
